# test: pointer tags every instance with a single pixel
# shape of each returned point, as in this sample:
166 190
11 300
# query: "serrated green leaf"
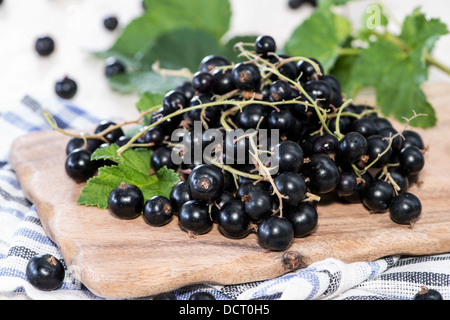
319 36
133 168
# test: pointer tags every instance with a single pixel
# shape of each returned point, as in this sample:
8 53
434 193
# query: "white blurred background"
77 28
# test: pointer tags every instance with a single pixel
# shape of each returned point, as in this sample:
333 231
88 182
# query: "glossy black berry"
203 82
253 115
233 221
112 134
44 46
352 146
202 295
79 143
292 185
412 138
411 160
304 219
174 101
275 233
186 89
66 88
365 126
165 296
126 201
405 208
377 196
194 217
206 182
114 67
110 23
209 114
210 62
347 185
246 76
45 272
323 173
326 144
400 179
154 136
162 157
428 294
287 69
158 211
223 81
280 90
79 166
179 195
264 45
282 120
258 204
307 71
319 90
288 156
378 151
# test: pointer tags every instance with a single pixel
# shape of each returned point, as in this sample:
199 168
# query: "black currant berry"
179 195
400 179
250 117
326 144
282 119
113 134
66 88
113 67
110 23
376 145
321 91
288 156
186 89
248 187
292 185
154 135
377 196
210 114
158 211
304 219
280 90
352 146
126 201
174 100
206 182
79 165
202 295
323 173
208 63
275 233
412 138
162 157
258 204
45 272
44 46
365 126
307 71
405 208
428 294
223 81
79 143
347 185
265 45
233 221
203 82
411 160
194 217
165 296
246 76
287 69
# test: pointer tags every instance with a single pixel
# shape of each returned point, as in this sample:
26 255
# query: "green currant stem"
338 117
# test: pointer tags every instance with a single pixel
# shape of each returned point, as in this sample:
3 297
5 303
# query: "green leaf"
144 81
181 48
319 36
212 17
133 167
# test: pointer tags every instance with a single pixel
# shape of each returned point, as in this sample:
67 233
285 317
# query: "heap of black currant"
325 145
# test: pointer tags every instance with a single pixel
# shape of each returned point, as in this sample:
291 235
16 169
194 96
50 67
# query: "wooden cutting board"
128 259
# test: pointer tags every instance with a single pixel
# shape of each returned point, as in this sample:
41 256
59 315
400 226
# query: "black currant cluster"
254 182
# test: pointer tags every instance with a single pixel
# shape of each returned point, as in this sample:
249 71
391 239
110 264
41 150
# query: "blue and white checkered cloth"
22 237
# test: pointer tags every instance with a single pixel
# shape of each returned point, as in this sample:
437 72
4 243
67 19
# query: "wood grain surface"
128 259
